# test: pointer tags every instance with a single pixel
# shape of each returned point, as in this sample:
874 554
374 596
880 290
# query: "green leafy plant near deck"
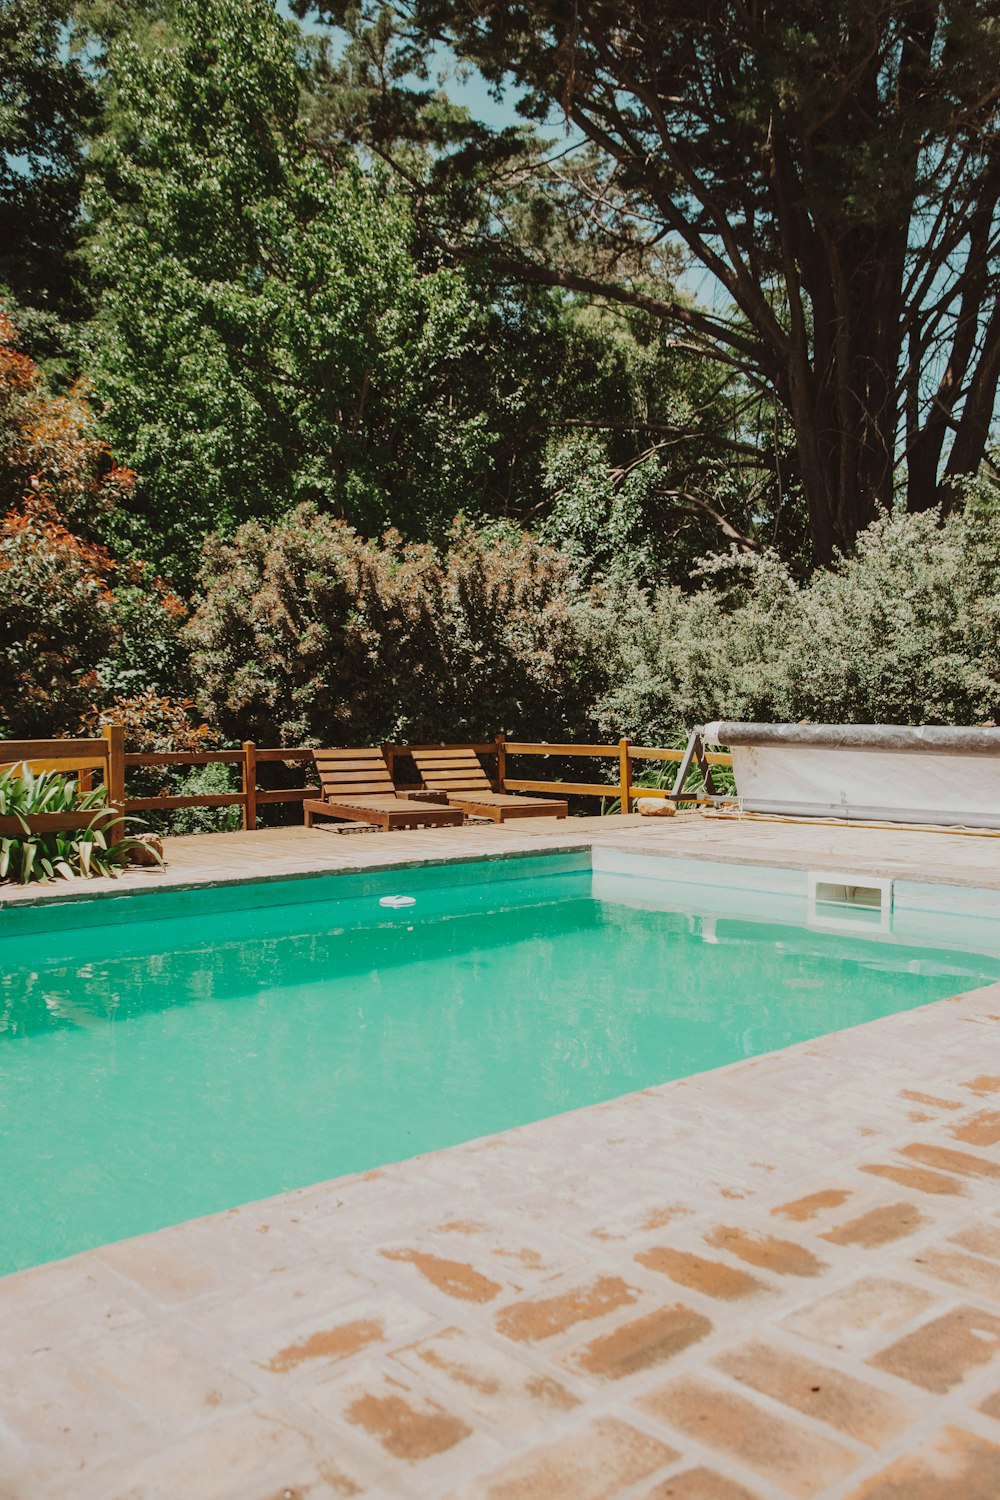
36 853
662 775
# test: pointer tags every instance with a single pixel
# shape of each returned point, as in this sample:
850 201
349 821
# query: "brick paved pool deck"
779 1278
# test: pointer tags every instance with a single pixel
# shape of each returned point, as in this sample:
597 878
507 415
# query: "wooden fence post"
501 762
625 775
249 784
115 779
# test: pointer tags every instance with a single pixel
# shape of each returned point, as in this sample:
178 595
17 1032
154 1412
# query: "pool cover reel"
880 772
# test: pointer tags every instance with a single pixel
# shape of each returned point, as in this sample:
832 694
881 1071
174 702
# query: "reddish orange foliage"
39 533
154 722
18 373
172 603
55 465
59 613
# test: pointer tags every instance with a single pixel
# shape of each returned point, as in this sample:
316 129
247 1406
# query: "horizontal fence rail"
63 755
645 752
250 796
107 756
625 753
82 757
568 788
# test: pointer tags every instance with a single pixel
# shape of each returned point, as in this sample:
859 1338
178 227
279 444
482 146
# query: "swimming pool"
168 1055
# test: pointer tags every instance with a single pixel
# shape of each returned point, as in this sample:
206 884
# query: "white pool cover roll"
871 772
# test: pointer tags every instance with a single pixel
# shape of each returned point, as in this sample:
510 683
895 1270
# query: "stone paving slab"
779 1278
217 858
210 859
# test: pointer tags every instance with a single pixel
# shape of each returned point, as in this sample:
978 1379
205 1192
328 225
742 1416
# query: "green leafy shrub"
62 855
516 652
56 625
205 781
906 631
75 626
146 655
307 633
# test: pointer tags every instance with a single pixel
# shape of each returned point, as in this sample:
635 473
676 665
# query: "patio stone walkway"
779 1278
264 854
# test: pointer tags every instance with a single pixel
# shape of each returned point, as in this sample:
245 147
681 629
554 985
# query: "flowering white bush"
906 631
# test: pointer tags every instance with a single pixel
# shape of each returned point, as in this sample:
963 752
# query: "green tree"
264 334
586 376
47 101
833 167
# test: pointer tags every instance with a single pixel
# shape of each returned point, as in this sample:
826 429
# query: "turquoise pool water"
152 1070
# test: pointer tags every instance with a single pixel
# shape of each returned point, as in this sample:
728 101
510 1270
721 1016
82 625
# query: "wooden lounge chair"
357 787
457 772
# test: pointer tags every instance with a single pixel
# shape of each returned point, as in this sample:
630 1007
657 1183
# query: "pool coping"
151 881
326 852
888 868
163 881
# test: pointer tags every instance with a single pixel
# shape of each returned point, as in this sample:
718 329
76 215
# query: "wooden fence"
250 796
83 757
624 753
108 757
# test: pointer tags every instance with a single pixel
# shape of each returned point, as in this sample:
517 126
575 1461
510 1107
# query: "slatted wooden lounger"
456 770
357 787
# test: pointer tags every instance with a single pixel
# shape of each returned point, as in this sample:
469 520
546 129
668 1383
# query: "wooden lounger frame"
357 788
456 771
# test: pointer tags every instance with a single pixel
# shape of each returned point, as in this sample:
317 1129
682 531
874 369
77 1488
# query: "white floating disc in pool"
397 901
